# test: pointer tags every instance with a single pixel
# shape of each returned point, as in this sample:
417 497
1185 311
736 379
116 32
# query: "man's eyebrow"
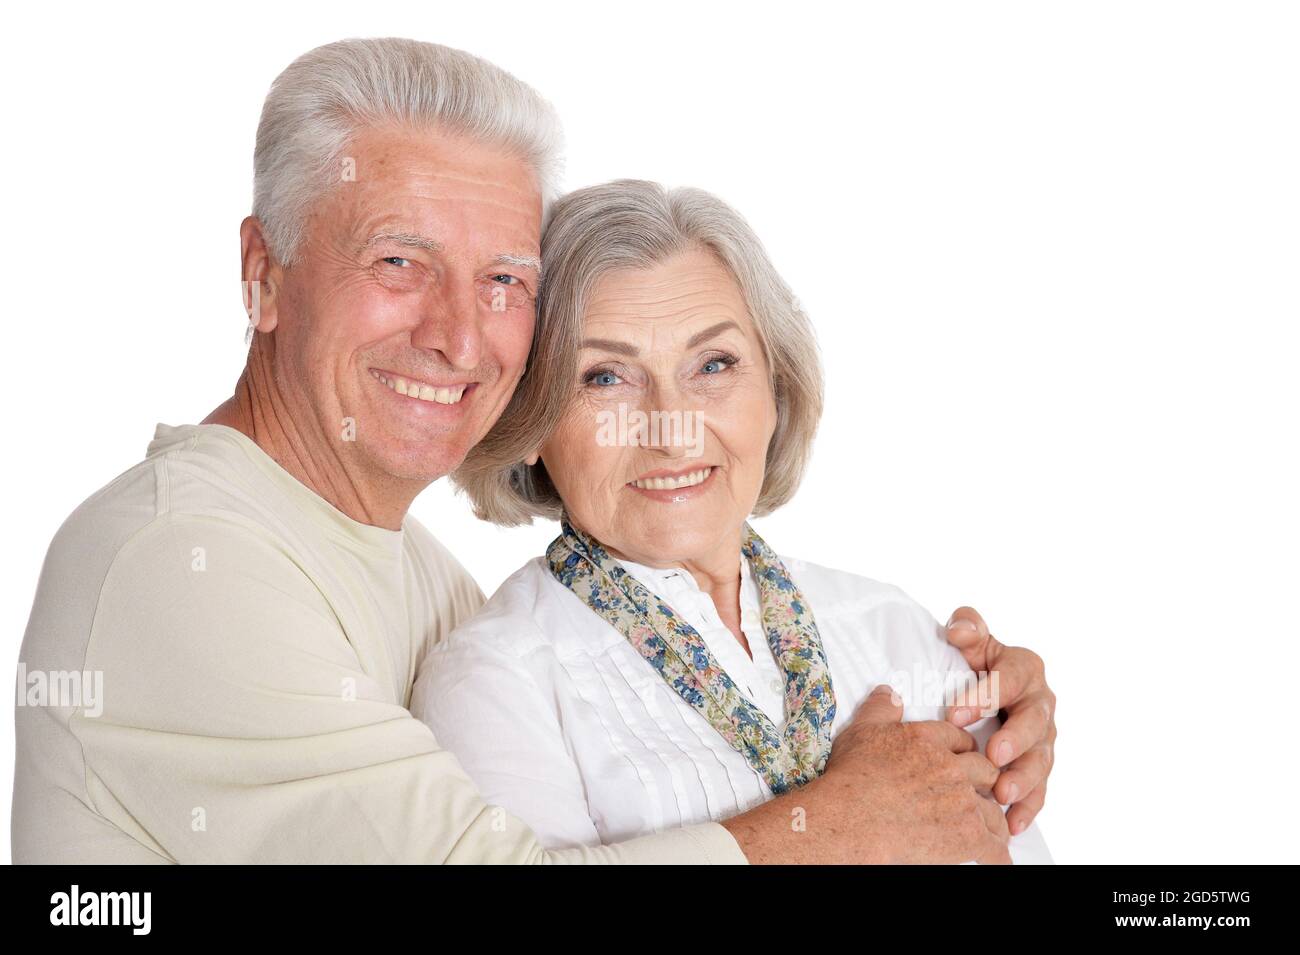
413 241
711 331
408 239
523 261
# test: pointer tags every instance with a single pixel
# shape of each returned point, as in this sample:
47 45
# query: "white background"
1050 250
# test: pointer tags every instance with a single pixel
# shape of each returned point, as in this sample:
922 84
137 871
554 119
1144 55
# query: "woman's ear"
532 458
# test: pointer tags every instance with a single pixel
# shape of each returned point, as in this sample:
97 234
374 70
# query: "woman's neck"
724 590
718 574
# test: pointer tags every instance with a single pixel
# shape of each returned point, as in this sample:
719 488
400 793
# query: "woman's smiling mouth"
673 486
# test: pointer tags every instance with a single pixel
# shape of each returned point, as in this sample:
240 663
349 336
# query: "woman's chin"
666 542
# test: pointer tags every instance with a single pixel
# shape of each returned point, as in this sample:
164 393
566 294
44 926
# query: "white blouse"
559 720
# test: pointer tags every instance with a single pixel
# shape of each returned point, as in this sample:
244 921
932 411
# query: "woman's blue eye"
603 378
717 364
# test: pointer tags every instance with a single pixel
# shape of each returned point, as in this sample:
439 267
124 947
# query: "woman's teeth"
418 389
671 483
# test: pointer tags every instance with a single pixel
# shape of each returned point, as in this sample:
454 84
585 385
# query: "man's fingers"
968 625
982 774
1022 813
882 706
944 735
1029 721
967 631
1024 775
1020 674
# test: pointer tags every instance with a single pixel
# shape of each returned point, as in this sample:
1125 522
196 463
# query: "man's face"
406 324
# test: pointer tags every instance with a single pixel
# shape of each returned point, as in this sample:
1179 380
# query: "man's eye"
396 260
506 279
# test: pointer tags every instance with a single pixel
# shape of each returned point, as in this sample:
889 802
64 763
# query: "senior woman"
661 665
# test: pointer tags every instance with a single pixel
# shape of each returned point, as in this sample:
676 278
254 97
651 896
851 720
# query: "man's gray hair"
632 224
317 105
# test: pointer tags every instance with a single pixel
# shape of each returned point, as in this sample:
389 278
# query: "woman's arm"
488 706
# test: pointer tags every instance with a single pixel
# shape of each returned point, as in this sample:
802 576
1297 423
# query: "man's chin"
421 464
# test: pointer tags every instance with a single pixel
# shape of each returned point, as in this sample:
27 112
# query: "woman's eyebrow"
709 332
610 344
624 348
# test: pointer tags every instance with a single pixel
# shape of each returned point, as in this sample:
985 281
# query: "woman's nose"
672 418
664 394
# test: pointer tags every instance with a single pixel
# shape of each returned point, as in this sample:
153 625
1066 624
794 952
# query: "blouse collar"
677 585
759 677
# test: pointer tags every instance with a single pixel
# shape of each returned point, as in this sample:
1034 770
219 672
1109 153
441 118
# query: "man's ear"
261 275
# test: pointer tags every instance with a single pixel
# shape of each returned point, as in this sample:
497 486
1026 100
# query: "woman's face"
661 454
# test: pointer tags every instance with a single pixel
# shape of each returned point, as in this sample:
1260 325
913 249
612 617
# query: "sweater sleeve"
238 725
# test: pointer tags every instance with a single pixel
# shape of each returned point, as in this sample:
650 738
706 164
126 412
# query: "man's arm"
239 726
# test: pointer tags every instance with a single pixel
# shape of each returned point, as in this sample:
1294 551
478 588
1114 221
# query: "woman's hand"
1024 746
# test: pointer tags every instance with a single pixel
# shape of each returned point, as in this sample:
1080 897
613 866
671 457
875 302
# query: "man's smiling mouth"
413 388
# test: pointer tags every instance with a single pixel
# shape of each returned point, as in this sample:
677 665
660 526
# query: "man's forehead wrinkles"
494 184
405 207
519 246
429 184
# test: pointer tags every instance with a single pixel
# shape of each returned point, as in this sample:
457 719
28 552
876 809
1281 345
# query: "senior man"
250 602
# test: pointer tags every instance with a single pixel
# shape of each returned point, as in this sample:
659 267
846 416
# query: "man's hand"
892 792
1024 746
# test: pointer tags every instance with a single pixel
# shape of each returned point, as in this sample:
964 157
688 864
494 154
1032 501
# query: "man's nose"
450 324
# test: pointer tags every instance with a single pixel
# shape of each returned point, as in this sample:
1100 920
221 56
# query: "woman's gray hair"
317 105
633 224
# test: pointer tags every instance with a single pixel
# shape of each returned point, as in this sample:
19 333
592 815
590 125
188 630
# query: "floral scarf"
675 649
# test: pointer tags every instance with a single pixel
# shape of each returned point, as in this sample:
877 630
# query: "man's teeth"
418 389
671 483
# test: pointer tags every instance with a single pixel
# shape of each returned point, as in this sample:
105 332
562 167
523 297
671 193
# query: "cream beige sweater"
217 669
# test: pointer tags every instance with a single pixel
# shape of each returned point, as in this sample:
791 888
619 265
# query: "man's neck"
308 456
